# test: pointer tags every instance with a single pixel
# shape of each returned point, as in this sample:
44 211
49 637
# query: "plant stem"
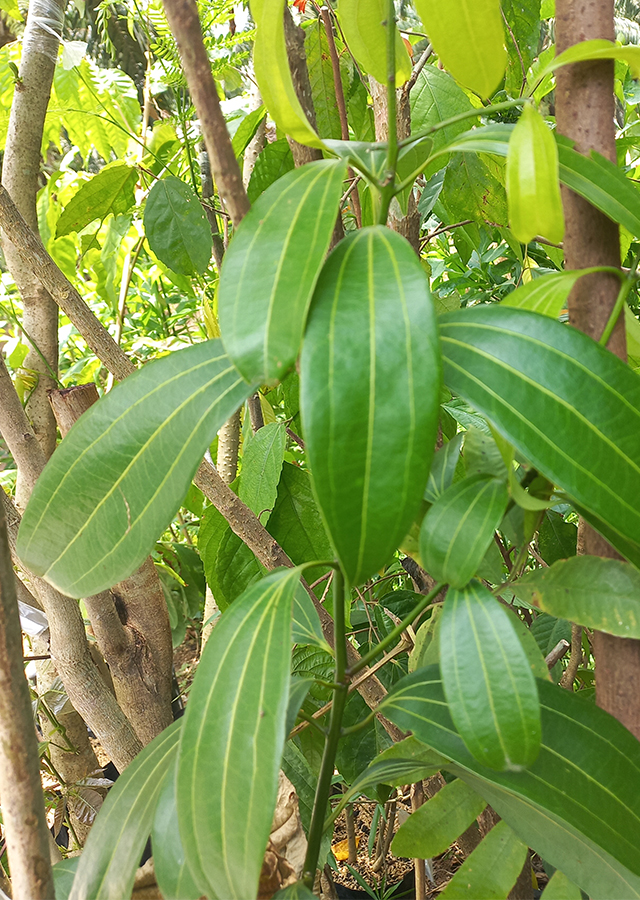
397 631
621 299
331 744
388 186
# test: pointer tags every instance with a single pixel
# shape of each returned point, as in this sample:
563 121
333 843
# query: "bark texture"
585 113
23 817
20 176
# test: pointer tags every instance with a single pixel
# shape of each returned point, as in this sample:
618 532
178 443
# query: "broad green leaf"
296 523
533 190
261 467
232 739
298 690
273 74
563 401
297 891
560 888
364 28
63 874
176 227
236 568
547 295
435 98
297 769
271 268
110 192
459 527
468 37
435 825
323 88
487 680
170 866
523 40
357 750
577 805
600 593
426 650
370 387
125 468
306 621
273 163
246 130
491 870
557 538
595 49
443 468
548 631
530 646
113 849
474 189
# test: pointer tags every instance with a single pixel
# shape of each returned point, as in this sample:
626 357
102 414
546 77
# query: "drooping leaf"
273 74
491 870
113 849
364 28
487 680
567 404
177 228
271 268
533 190
110 192
370 386
468 37
232 739
600 593
435 825
125 468
577 805
457 530
170 866
261 467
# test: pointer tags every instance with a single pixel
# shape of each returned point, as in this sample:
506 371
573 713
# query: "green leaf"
523 40
595 49
170 865
261 468
435 825
298 690
272 164
370 387
600 593
323 87
296 523
357 750
113 849
271 268
246 130
176 227
560 888
110 192
557 538
457 530
306 622
487 680
364 28
474 189
582 407
63 874
443 468
548 294
533 191
468 37
273 74
577 805
297 891
125 468
491 870
232 739
548 631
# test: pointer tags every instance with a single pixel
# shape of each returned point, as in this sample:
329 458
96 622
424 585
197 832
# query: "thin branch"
575 658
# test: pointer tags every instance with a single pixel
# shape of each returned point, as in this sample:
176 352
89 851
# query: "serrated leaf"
110 192
533 190
364 28
491 870
370 387
577 805
177 228
232 739
113 849
125 468
435 825
487 680
600 593
582 407
261 467
170 866
323 87
468 37
457 530
271 268
273 74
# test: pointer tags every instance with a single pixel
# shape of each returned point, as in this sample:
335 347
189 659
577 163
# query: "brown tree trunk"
21 177
585 113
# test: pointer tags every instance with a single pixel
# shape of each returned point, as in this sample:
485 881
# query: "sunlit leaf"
364 28
110 192
491 870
